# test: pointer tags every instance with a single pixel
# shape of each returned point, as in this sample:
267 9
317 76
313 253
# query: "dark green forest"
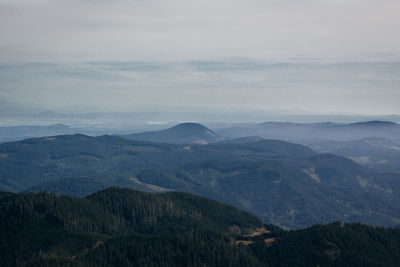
122 227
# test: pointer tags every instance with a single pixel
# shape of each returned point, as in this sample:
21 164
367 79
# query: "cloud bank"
122 30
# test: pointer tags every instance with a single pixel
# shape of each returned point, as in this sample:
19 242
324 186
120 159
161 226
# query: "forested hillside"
121 227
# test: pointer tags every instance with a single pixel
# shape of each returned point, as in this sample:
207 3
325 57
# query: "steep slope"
184 133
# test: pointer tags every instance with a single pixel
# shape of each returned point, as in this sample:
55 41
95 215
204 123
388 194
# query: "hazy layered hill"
184 133
306 133
373 143
283 183
376 152
120 227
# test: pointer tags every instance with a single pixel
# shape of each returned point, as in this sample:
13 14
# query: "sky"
317 56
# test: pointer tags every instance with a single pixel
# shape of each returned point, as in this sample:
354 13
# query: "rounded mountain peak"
183 133
192 126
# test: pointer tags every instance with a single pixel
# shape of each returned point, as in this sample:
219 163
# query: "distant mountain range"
373 144
283 183
121 227
353 140
184 133
306 133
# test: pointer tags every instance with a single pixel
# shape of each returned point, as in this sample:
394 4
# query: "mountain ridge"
283 183
308 133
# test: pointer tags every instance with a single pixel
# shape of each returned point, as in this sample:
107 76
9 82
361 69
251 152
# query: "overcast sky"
313 55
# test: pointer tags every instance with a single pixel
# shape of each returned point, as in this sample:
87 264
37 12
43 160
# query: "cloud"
83 30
